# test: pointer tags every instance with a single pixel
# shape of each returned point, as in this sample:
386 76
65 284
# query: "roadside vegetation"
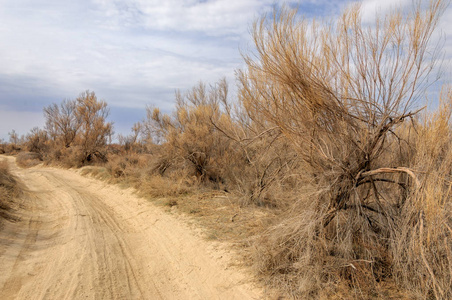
9 191
326 167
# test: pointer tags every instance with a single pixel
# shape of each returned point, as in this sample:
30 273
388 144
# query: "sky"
132 53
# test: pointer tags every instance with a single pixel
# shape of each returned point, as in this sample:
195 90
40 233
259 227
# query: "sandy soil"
79 238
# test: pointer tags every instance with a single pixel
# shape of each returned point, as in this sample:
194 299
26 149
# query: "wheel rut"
78 238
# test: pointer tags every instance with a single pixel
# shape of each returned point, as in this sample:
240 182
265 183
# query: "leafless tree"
94 128
62 123
13 137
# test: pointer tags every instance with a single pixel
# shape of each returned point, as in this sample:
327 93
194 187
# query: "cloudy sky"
129 52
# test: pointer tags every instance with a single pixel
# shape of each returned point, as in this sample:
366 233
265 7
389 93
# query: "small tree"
79 127
13 137
94 129
62 123
131 142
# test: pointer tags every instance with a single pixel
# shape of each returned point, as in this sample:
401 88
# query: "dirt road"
79 238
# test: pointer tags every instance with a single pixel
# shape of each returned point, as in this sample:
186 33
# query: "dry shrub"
37 141
222 145
262 167
139 171
422 246
9 189
62 123
341 95
131 142
11 149
94 129
28 159
78 130
189 137
71 157
97 172
129 166
154 185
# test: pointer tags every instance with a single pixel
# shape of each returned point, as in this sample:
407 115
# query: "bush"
9 189
79 129
189 138
37 141
342 100
28 159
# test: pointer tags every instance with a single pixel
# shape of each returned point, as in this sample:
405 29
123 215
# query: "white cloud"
442 35
131 53
75 52
212 18
370 8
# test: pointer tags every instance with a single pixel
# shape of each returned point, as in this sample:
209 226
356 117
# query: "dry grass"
158 186
9 190
96 172
28 159
421 250
139 171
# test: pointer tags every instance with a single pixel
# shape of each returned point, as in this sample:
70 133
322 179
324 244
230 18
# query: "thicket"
216 143
328 131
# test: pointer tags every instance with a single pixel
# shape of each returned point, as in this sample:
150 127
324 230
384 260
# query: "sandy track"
79 238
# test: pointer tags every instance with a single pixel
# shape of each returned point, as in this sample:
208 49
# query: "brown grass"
9 190
28 159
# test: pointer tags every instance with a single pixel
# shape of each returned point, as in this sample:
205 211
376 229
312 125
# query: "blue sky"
131 53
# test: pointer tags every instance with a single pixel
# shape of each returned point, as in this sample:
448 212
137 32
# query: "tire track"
82 239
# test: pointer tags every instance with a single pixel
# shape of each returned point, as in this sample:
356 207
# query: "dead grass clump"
65 157
72 157
157 186
139 171
11 149
37 141
9 189
98 172
2 146
28 159
128 166
422 246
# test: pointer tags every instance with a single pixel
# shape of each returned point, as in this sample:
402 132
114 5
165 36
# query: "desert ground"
79 238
